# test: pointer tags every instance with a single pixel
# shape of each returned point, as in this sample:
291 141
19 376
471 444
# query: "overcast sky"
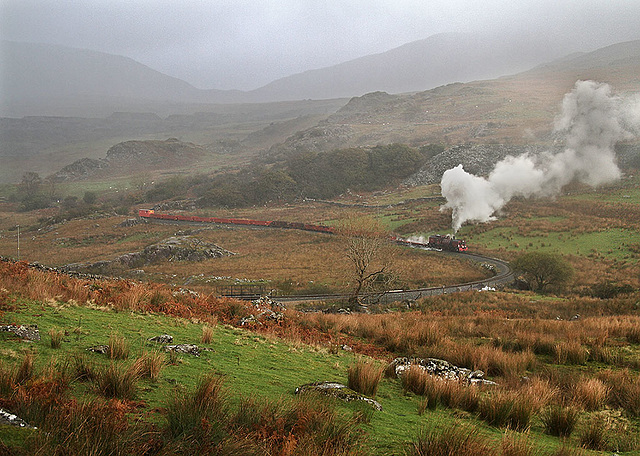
244 44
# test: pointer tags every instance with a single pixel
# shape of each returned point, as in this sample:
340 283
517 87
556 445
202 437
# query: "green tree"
542 270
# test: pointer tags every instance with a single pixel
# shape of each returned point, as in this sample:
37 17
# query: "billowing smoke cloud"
593 120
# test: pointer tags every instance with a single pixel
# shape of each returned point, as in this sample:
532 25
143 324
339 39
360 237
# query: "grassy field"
257 365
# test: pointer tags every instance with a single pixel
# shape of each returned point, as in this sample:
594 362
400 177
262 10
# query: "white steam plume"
593 119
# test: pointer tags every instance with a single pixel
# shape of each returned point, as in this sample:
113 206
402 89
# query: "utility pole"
18 242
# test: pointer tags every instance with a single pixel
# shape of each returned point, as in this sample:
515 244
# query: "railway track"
503 273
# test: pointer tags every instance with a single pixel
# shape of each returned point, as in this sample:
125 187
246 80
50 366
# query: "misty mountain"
416 66
40 79
44 79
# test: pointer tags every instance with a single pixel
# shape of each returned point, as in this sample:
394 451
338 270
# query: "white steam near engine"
593 119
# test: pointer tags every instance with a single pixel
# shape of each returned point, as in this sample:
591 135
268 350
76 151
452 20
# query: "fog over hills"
43 79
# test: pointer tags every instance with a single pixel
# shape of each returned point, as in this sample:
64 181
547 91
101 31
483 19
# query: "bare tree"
366 243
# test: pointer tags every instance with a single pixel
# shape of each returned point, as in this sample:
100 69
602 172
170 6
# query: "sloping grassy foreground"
251 366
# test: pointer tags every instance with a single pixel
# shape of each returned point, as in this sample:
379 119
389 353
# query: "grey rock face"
478 159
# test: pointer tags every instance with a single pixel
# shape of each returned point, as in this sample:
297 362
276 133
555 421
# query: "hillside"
133 156
517 109
416 66
41 79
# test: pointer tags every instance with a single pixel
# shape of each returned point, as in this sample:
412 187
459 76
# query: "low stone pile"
440 368
266 309
28 332
338 391
187 349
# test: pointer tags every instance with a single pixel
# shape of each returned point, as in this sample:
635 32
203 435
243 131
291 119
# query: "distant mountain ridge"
42 79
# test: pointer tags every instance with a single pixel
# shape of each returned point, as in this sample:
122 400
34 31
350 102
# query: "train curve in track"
503 276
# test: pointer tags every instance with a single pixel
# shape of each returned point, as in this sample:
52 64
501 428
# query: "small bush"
364 377
207 335
118 347
560 421
118 382
56 336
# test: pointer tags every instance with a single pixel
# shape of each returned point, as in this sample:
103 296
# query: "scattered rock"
440 368
338 391
576 317
132 222
12 420
163 339
266 310
102 349
187 349
28 332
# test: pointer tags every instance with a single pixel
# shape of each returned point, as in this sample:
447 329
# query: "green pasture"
252 364
611 244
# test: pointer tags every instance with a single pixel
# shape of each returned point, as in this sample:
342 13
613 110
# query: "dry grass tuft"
149 364
591 394
118 347
117 381
454 440
56 336
207 335
560 421
364 377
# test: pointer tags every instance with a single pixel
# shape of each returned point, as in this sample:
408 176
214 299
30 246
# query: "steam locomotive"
447 242
437 241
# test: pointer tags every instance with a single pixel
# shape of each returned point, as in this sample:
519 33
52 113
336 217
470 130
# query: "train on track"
439 242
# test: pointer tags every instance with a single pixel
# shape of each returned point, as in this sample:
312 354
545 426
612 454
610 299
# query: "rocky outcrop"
177 248
162 339
478 159
438 367
127 156
338 391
